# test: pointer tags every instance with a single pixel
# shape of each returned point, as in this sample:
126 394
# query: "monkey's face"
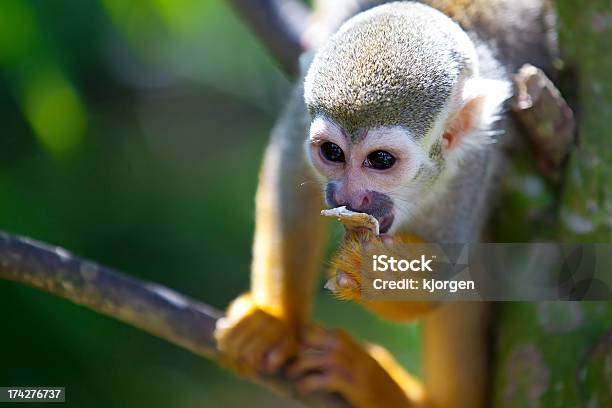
381 171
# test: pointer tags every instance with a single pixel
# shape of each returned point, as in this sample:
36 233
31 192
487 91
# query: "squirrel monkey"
395 117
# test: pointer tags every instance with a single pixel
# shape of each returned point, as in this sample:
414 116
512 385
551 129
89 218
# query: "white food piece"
352 219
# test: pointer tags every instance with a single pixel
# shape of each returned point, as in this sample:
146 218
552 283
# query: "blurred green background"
131 134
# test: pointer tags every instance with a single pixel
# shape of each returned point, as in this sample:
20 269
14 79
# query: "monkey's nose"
360 202
365 201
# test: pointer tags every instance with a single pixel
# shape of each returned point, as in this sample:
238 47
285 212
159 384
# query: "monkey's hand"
331 360
345 280
252 340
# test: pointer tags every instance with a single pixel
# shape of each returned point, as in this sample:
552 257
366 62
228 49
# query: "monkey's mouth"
385 223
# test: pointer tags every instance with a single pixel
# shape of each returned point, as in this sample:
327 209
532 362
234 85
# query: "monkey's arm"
288 232
456 350
455 339
260 328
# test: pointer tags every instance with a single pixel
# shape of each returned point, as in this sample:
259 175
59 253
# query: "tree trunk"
560 353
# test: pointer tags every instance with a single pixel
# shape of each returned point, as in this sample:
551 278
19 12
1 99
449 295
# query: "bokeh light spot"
55 111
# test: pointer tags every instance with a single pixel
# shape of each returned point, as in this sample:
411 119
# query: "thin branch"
153 308
280 25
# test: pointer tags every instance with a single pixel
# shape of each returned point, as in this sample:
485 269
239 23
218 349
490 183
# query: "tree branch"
279 24
153 308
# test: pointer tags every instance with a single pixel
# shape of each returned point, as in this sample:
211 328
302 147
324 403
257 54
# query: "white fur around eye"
323 128
400 143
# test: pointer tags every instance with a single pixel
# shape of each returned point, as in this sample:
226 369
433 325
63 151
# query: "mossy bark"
560 353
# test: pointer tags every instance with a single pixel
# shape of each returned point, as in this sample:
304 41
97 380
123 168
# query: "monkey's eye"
380 160
332 152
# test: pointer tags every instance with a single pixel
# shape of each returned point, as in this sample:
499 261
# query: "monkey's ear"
479 107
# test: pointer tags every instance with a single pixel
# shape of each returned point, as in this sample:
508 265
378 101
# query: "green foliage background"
132 133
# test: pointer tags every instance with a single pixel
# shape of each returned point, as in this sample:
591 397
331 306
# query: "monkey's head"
396 103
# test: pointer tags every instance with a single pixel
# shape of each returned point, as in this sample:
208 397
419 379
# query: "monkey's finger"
277 355
318 362
319 338
232 338
386 239
328 381
254 350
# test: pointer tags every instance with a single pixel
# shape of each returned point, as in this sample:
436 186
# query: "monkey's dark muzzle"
385 222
